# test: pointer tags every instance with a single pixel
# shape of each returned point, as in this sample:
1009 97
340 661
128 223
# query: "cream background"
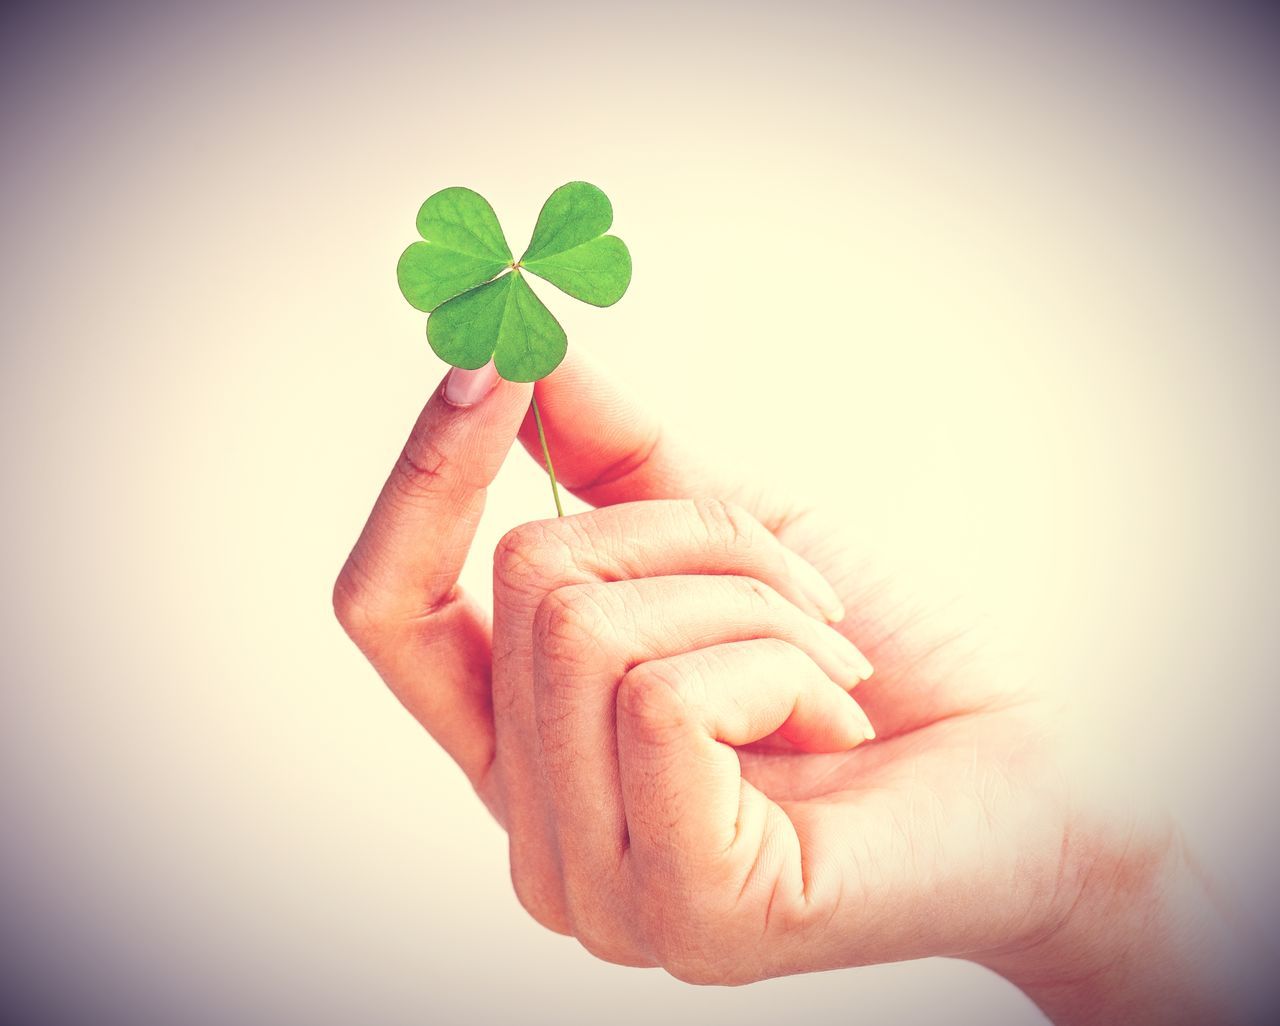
999 282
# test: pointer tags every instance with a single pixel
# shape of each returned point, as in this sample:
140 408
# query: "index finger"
398 596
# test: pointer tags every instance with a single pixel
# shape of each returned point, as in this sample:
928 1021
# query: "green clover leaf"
464 246
502 319
476 311
570 250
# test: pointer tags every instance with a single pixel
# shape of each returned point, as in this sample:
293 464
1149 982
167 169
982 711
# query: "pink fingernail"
468 387
861 725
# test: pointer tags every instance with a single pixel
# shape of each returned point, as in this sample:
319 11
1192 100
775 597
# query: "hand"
658 718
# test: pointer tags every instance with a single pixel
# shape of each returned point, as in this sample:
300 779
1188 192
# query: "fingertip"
464 388
859 726
863 723
816 589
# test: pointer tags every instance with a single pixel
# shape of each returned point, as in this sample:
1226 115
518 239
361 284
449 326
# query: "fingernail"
861 725
859 665
468 387
816 588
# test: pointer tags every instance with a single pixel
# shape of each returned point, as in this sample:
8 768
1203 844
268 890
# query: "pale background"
1017 265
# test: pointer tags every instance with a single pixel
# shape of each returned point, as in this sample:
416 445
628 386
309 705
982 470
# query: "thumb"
606 448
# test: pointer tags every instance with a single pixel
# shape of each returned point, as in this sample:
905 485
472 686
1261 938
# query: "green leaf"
464 246
429 274
462 220
597 272
478 312
502 319
464 331
531 342
573 214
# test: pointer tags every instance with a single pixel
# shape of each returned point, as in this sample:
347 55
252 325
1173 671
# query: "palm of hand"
926 822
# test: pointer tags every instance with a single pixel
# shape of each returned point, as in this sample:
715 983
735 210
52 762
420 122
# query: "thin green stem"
546 455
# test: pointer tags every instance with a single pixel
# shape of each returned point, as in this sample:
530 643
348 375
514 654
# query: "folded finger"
697 831
581 750
591 636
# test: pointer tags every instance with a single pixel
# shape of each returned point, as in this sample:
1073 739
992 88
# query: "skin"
672 733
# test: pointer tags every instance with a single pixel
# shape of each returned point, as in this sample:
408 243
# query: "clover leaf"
479 304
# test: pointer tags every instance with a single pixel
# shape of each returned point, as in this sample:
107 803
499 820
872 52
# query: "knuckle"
703 954
530 558
538 890
773 649
704 971
570 626
598 932
616 952
727 523
652 696
760 593
421 466
601 908
354 602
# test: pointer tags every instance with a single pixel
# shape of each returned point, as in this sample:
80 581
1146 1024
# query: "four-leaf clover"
480 305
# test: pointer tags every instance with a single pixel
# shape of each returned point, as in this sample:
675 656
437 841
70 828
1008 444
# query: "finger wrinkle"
619 469
422 468
437 607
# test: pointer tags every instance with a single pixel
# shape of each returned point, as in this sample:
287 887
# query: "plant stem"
546 455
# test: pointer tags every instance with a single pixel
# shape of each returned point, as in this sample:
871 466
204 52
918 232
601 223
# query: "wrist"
1141 939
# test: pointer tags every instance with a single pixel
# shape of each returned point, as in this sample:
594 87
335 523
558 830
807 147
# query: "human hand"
656 717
